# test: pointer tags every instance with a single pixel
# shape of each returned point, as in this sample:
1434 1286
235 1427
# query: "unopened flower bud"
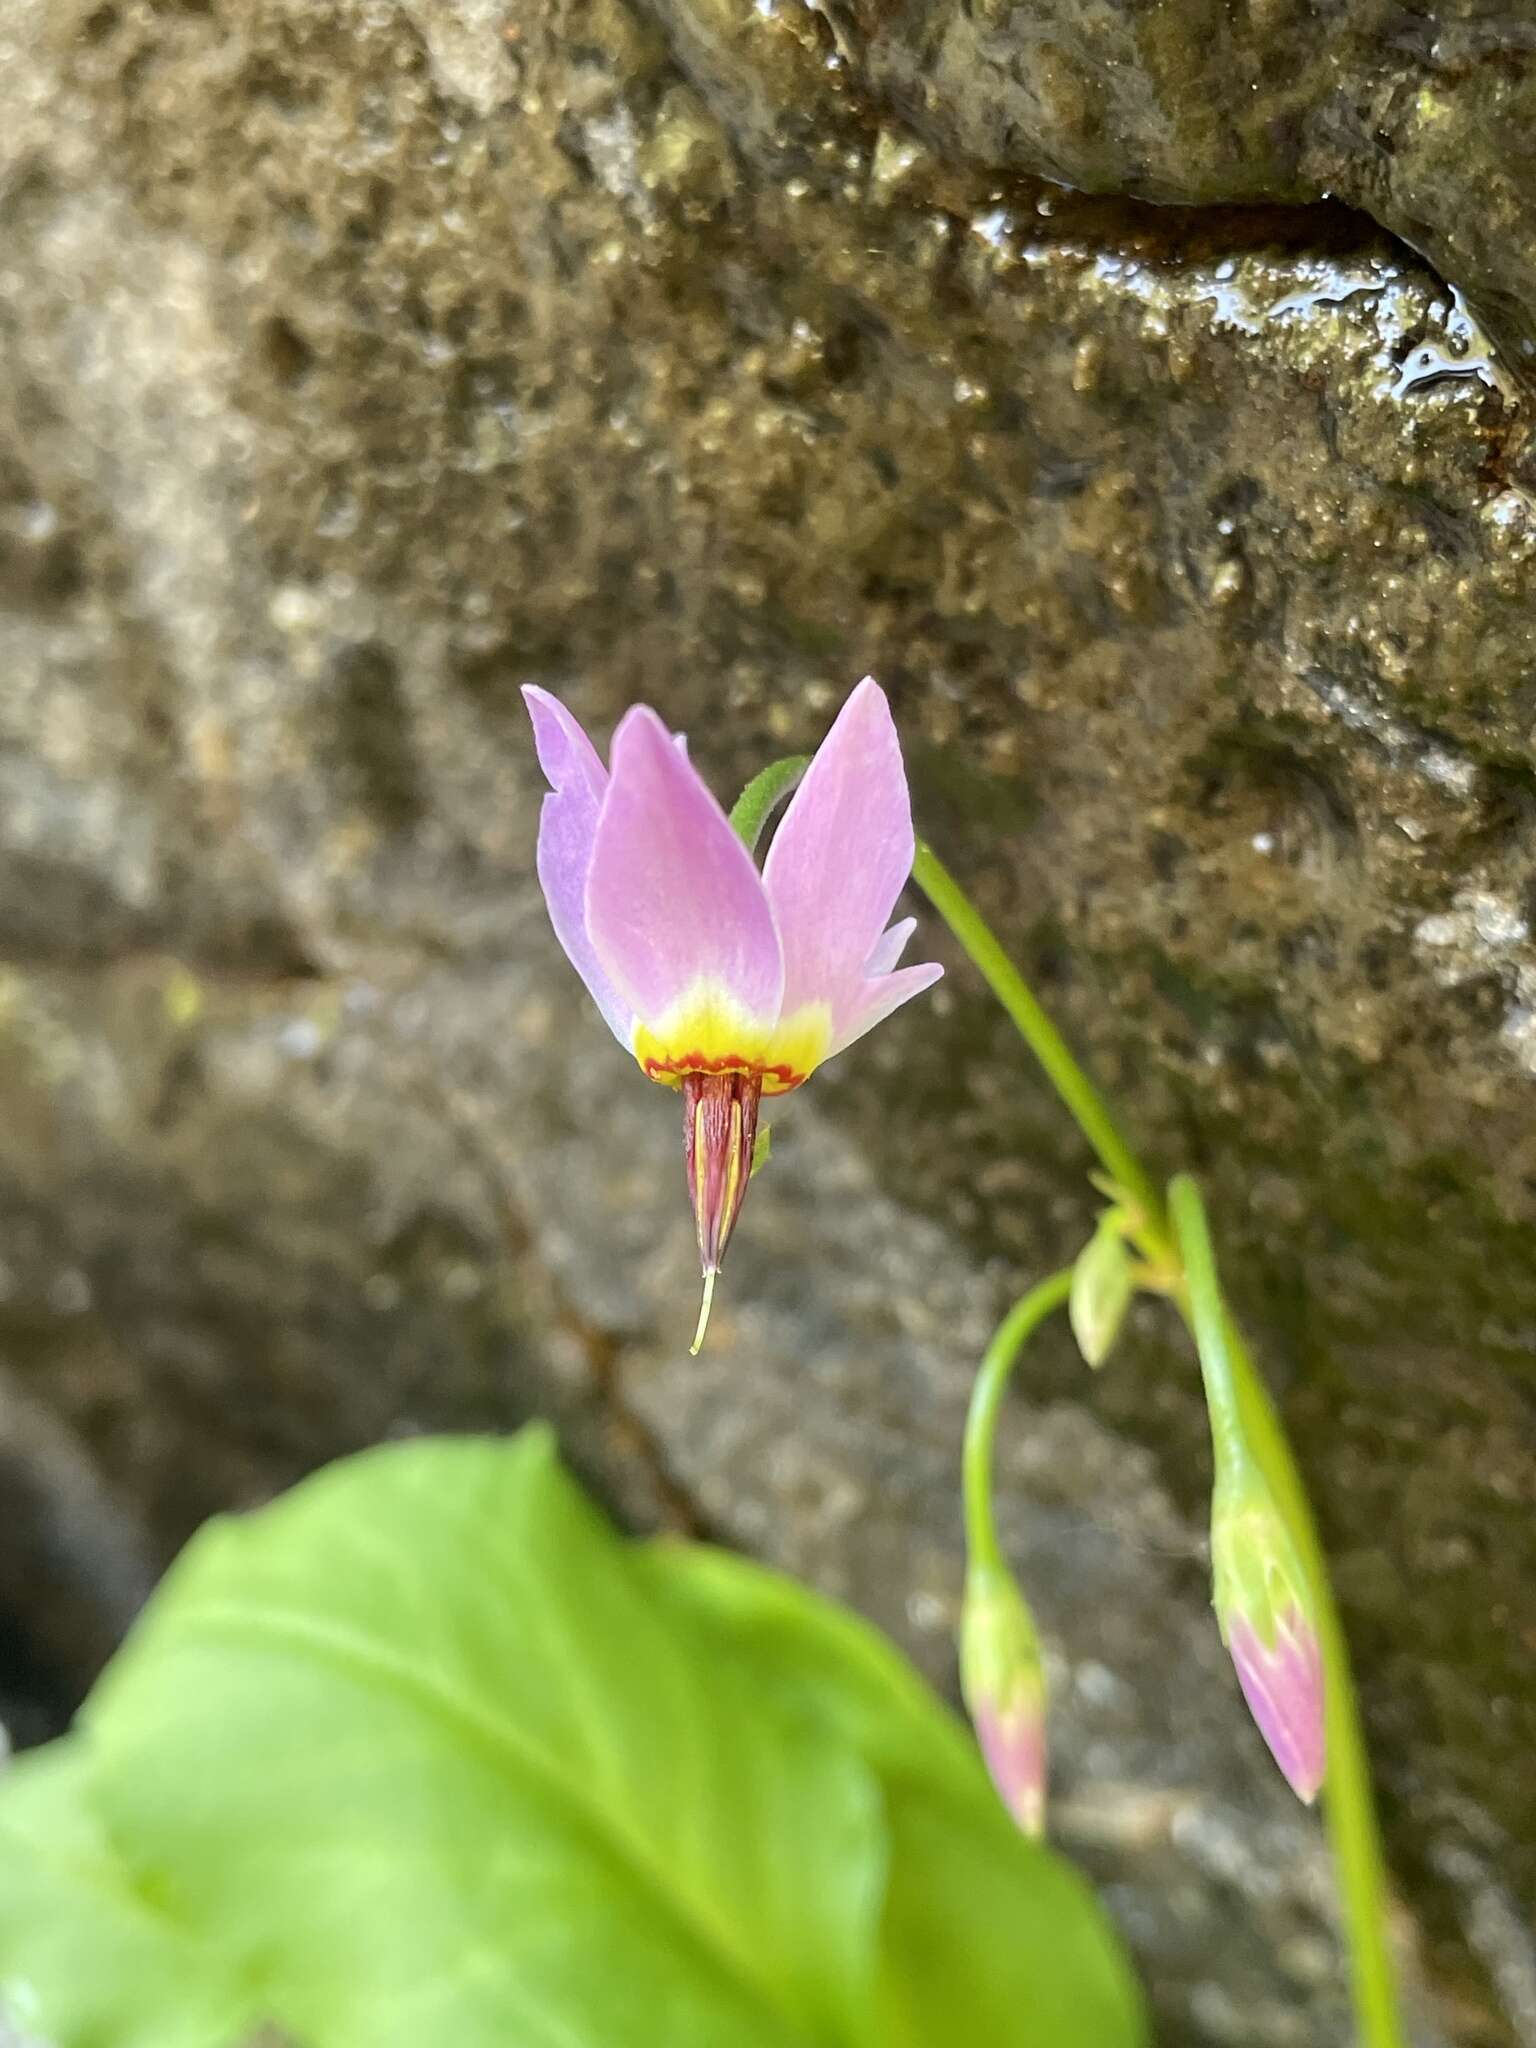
1004 1686
1102 1285
1265 1612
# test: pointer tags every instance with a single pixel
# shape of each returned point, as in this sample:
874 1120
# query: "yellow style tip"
704 1307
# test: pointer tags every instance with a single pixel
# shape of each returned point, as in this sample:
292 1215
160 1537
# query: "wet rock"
649 355
1423 118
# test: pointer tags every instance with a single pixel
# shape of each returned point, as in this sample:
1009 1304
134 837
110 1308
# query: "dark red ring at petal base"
696 1063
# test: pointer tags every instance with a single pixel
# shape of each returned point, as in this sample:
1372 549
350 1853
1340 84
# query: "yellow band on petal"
708 1032
799 1044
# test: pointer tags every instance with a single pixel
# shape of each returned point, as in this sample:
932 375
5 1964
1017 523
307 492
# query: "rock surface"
1425 118
365 360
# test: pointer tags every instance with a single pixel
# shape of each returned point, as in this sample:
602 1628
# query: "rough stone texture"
362 361
1425 117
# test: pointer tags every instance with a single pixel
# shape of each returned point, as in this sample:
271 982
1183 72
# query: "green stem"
1009 1339
1084 1101
1349 1807
763 795
1201 1305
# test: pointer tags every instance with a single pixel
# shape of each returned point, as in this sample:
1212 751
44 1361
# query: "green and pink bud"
1265 1611
1003 1680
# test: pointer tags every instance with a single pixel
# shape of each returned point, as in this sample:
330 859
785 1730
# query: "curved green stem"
1200 1304
1009 1339
1349 1806
1087 1106
763 795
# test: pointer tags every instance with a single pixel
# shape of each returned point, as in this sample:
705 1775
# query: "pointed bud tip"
1265 1610
1004 1685
1013 1748
1282 1683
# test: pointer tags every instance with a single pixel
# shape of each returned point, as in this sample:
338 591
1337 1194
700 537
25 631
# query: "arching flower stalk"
727 983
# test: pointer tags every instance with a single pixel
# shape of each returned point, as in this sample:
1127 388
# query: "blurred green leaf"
427 1754
824 1659
987 1937
85 1956
412 1745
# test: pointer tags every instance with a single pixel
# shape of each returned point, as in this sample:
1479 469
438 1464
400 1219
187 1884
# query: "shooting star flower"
727 983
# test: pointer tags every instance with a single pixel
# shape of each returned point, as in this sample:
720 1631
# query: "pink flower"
727 983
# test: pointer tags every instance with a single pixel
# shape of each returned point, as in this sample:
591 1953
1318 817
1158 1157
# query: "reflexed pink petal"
890 946
567 831
673 897
1283 1686
874 1001
565 753
841 855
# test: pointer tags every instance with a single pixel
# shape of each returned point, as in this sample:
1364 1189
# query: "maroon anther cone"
719 1133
